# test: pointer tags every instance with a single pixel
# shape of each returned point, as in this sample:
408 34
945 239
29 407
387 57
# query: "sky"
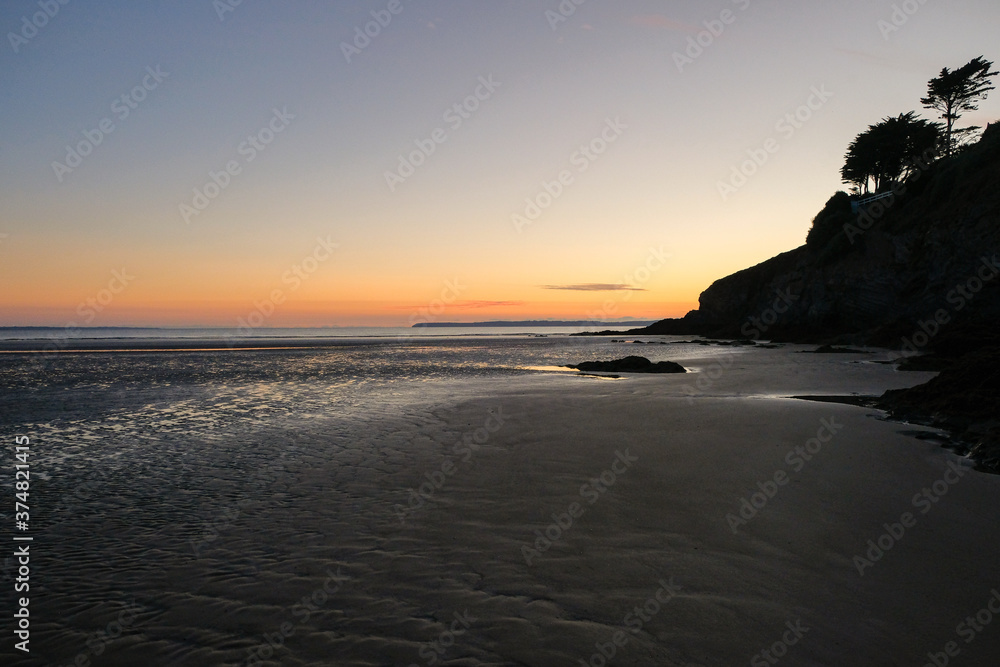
386 162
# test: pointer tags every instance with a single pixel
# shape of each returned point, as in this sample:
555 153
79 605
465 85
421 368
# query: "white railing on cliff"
856 205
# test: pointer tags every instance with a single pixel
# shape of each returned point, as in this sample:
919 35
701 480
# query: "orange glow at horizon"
55 288
266 313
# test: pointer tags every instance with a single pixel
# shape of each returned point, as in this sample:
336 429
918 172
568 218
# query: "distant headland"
531 323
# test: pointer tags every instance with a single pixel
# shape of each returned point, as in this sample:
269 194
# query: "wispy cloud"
596 287
485 304
663 23
470 305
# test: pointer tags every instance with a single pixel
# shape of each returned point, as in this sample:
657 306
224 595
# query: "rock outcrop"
629 365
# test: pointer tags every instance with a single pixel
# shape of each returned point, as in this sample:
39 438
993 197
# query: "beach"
479 334
500 516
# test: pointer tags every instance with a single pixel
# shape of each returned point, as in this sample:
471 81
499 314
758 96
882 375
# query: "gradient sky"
646 214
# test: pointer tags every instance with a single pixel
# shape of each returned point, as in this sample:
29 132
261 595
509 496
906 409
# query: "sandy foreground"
563 520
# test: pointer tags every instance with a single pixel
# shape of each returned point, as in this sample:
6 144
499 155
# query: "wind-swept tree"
952 93
889 152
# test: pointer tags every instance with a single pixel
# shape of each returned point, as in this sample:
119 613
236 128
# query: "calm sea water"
182 379
223 333
94 402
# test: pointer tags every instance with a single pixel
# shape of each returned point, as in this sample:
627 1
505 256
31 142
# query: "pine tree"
953 93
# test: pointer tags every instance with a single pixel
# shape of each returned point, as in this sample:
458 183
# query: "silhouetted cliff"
916 271
924 256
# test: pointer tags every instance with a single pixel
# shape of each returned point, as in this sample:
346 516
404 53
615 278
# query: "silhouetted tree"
952 93
860 165
889 151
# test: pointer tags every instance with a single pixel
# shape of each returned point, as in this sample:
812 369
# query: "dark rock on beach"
629 365
963 399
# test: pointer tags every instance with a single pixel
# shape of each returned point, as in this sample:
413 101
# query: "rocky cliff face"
919 270
923 260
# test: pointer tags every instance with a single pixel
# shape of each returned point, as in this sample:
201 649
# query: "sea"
312 333
156 382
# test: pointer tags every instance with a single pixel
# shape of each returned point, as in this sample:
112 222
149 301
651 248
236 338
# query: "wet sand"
298 545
